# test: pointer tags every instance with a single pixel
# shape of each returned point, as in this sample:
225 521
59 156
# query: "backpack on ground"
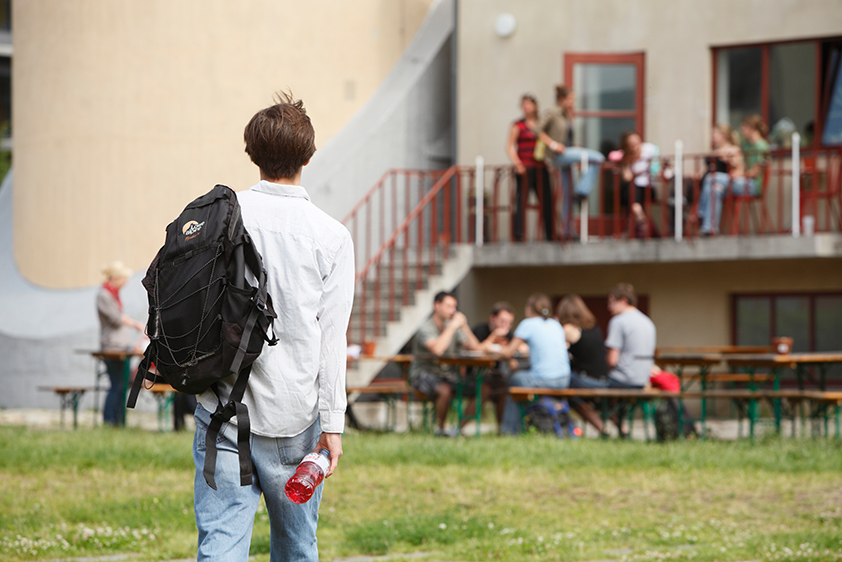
207 321
550 415
669 421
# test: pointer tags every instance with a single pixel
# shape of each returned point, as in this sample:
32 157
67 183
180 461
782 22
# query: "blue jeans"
225 517
710 208
573 155
112 410
511 413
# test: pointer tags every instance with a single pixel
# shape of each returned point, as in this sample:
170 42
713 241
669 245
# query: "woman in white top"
638 164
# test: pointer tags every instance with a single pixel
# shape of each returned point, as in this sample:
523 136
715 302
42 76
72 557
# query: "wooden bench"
644 396
389 390
728 377
69 397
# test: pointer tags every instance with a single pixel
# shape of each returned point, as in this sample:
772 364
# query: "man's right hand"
458 320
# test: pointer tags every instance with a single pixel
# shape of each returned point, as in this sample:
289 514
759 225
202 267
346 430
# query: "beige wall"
124 111
689 302
675 36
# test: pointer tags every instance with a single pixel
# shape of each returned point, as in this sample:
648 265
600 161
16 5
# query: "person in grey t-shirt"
631 340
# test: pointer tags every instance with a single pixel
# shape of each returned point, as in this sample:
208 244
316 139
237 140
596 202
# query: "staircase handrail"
447 175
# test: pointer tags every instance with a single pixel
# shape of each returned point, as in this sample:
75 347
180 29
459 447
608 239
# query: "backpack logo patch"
191 229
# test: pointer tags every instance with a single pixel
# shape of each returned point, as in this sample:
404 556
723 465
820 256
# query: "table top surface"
790 359
110 353
399 358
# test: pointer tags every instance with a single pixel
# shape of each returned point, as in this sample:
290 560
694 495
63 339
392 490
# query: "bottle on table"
309 474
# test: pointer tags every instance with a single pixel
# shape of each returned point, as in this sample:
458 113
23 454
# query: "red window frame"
820 110
636 59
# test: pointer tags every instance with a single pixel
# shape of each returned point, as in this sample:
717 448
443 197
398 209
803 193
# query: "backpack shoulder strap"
235 407
142 374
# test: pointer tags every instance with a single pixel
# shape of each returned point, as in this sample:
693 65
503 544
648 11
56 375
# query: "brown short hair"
280 139
561 92
624 291
573 310
502 306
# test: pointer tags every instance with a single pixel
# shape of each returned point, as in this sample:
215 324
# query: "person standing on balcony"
296 391
556 130
716 184
530 174
445 333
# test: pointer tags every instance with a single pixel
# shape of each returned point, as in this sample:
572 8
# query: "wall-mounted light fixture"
505 25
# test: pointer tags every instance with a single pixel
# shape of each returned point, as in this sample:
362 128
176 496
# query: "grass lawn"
102 492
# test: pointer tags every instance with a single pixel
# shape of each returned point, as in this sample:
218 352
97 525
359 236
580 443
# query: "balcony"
417 232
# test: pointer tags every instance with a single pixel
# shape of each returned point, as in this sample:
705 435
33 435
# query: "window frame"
810 295
819 109
637 59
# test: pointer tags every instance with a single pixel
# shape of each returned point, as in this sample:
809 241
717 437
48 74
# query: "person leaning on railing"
556 130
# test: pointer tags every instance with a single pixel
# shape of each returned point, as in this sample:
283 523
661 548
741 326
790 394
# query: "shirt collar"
264 186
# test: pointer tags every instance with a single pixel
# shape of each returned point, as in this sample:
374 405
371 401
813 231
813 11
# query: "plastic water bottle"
309 474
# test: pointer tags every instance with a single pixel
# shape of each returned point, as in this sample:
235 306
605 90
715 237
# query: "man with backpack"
296 390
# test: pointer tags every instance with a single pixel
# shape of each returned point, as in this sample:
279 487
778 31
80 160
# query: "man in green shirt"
445 333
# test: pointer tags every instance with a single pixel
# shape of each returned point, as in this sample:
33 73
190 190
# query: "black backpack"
668 420
206 320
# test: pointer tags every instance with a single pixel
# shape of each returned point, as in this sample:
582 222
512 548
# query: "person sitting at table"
114 336
587 353
445 333
630 343
493 335
549 366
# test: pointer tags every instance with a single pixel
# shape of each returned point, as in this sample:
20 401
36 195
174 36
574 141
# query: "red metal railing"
415 251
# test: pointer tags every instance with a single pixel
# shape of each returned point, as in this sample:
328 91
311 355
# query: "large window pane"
829 323
829 329
738 84
601 133
832 130
754 315
792 91
601 87
792 320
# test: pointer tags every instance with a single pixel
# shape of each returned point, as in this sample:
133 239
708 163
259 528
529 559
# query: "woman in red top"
521 149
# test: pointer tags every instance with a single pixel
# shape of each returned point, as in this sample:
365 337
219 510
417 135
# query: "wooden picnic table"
69 397
799 362
389 390
124 355
479 362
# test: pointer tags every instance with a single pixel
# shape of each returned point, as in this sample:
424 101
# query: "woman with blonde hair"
725 149
114 336
549 366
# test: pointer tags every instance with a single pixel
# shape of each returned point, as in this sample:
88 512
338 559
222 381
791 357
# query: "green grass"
99 492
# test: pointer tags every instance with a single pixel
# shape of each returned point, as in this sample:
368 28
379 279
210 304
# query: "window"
609 97
812 320
794 86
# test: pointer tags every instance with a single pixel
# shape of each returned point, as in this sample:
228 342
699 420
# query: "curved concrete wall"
124 111
405 123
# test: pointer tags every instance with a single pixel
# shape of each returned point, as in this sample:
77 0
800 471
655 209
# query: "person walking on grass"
296 391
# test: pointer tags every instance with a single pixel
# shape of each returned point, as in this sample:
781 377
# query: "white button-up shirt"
309 262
